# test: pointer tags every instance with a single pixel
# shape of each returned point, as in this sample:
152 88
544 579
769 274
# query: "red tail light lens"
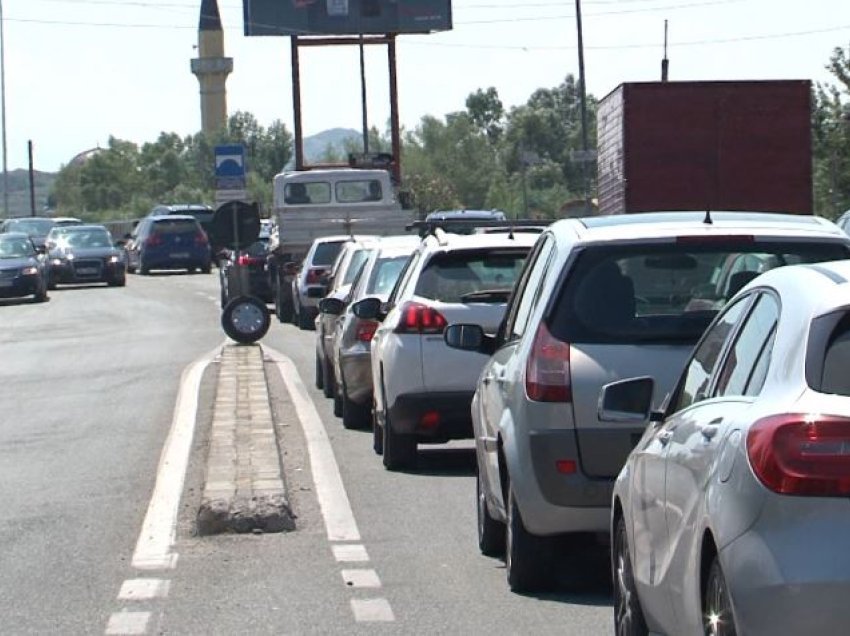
547 372
314 275
799 454
365 330
201 238
153 240
244 259
421 319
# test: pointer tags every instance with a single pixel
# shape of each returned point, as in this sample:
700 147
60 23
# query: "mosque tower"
212 68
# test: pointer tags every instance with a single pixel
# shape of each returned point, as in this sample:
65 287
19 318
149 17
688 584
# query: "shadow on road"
448 462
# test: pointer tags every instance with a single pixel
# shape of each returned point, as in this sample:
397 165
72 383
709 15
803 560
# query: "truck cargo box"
706 146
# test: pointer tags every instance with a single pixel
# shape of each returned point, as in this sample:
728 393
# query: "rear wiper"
487 296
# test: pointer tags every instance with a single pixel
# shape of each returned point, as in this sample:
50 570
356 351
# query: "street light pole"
584 142
3 115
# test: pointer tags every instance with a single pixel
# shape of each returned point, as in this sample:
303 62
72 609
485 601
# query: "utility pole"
584 143
32 180
665 63
363 98
3 115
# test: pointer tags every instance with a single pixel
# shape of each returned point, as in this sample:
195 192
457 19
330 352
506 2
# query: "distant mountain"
19 191
335 138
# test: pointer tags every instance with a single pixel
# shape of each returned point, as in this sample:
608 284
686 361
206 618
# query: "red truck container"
706 146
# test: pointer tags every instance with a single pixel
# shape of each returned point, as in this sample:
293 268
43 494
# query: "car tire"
399 450
41 295
233 332
354 416
528 558
337 396
628 615
206 269
717 604
377 434
320 379
117 282
329 382
304 322
491 533
283 306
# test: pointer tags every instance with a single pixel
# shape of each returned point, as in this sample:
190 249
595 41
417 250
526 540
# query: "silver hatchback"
601 299
732 513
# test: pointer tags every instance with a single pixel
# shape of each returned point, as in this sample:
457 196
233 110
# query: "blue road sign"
230 167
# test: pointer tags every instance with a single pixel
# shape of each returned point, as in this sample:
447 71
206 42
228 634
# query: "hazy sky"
78 71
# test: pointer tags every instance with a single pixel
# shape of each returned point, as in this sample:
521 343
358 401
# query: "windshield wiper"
487 296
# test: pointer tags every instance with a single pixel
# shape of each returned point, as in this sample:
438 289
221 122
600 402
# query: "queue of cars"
721 488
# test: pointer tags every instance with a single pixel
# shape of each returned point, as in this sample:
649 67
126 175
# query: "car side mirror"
368 309
626 400
331 306
467 337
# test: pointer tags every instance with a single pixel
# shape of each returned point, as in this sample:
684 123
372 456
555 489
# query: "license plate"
179 255
87 271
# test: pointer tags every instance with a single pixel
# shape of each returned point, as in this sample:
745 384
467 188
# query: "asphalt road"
88 384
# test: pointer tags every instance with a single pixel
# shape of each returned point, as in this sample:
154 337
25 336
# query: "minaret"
212 68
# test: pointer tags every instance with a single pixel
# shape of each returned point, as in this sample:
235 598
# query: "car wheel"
717 606
41 295
320 380
491 533
353 415
527 556
117 282
628 615
206 269
245 319
377 433
283 306
329 383
304 322
399 450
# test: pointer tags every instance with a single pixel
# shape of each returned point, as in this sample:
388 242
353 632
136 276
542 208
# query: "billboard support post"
296 104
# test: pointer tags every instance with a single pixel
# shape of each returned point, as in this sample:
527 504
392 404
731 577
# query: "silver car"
731 515
352 338
600 299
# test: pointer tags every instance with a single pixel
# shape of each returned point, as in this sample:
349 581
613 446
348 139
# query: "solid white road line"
153 548
350 553
144 589
361 578
372 610
128 623
330 491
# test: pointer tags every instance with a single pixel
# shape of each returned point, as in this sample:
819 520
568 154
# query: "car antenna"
707 220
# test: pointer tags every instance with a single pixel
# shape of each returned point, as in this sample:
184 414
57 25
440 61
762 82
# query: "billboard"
345 17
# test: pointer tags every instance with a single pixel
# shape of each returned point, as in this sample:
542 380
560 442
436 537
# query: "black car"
243 273
85 254
22 272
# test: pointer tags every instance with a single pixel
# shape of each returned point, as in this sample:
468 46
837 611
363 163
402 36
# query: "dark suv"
168 242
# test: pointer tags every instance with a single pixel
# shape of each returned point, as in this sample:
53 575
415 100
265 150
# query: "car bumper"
356 367
437 417
790 573
66 273
19 286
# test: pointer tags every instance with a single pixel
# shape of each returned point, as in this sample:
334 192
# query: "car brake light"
153 240
365 330
799 454
421 319
245 259
201 238
314 275
547 372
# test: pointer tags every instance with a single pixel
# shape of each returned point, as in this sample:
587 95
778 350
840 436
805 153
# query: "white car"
422 388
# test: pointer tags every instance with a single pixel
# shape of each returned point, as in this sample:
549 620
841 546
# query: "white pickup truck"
317 203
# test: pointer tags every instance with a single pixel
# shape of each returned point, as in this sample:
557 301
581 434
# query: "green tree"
831 139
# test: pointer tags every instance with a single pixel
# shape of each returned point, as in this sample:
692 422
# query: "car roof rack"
472 226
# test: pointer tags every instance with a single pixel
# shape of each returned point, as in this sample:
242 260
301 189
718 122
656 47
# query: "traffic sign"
230 167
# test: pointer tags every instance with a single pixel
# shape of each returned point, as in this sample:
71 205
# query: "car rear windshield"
666 293
479 275
175 226
326 253
93 238
258 248
33 227
385 273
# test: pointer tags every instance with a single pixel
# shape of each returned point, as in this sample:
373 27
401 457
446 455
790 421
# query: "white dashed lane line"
129 623
333 499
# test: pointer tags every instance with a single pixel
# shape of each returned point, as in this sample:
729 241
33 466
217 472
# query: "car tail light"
430 419
245 259
799 454
201 238
421 319
365 330
153 240
314 275
547 372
